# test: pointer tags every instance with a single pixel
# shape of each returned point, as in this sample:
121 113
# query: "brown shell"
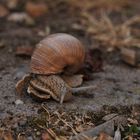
57 52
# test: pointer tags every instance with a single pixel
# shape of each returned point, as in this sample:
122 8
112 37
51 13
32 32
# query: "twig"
44 107
66 123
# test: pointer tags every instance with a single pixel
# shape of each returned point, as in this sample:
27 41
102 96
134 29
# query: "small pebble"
19 102
38 133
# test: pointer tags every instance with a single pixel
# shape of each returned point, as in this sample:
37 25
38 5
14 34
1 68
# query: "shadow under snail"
53 64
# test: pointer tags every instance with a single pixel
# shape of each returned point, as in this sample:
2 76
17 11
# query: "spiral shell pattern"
57 53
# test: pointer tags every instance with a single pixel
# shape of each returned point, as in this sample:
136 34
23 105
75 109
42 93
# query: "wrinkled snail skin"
58 86
55 87
57 53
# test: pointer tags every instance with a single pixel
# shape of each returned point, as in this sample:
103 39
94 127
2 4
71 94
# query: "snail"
55 57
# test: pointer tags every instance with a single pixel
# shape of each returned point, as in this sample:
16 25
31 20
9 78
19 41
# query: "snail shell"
56 53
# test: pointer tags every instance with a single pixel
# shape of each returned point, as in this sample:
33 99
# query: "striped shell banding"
57 53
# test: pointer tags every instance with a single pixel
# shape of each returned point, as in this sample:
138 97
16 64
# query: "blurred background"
105 24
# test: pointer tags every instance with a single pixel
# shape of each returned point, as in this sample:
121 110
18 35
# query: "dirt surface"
117 86
112 88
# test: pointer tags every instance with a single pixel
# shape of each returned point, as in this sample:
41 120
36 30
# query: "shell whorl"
55 53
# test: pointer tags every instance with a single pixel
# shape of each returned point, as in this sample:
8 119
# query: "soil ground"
117 86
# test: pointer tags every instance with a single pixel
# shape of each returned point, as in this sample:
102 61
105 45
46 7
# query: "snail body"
52 85
56 54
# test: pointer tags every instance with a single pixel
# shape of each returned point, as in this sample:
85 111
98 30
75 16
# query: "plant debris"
63 123
110 35
36 9
3 11
131 55
21 17
24 51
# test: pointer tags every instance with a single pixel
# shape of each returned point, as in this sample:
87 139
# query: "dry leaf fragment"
3 11
36 9
109 116
21 137
24 51
117 135
107 127
136 111
104 136
62 138
129 138
110 35
12 4
7 135
132 121
21 17
50 135
131 55
46 136
83 127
